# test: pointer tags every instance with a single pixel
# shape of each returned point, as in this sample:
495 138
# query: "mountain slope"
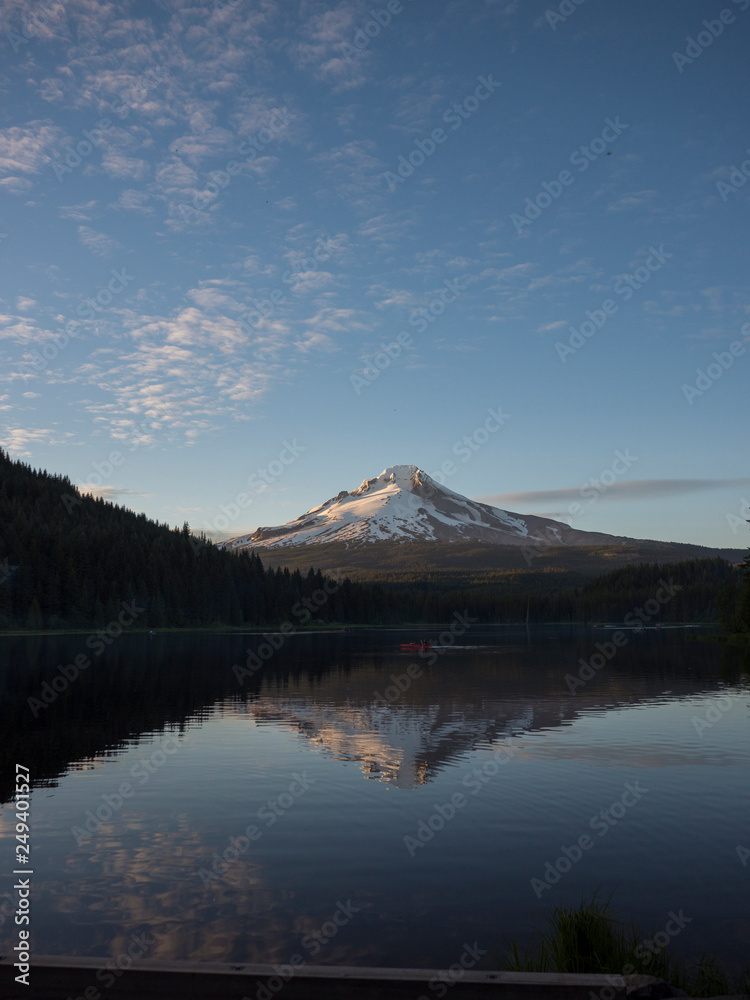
403 503
68 560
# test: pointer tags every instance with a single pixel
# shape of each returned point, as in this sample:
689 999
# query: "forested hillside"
69 561
73 561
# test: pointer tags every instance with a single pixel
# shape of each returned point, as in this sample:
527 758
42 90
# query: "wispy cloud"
635 489
84 212
98 243
27 150
20 440
111 493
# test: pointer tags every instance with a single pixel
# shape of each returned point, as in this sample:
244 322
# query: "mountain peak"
403 476
404 504
397 472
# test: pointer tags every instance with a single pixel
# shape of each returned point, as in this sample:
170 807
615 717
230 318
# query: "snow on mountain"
404 503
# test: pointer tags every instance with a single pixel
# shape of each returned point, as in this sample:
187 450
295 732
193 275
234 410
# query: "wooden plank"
61 978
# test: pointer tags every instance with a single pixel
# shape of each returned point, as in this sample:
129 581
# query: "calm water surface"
334 807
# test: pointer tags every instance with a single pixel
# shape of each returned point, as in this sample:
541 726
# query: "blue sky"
255 252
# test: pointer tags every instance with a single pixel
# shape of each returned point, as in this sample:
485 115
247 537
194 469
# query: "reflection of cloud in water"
130 880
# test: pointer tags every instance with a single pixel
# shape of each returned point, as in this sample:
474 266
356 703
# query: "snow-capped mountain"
404 503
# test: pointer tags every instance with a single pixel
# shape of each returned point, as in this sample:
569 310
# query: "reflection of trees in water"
325 687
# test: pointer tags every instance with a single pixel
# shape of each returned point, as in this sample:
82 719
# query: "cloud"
132 200
111 493
98 243
546 327
355 170
16 185
206 142
315 342
122 167
388 230
20 329
42 23
311 281
638 199
51 90
25 150
635 489
336 320
184 375
79 213
386 297
18 440
322 50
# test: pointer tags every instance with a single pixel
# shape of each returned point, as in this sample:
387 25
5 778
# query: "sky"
255 252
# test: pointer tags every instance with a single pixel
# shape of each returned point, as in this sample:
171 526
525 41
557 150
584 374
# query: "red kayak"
416 645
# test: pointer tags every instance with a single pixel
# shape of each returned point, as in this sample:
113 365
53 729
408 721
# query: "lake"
349 801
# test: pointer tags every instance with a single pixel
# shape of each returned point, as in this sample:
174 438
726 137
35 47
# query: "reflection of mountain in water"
329 688
397 745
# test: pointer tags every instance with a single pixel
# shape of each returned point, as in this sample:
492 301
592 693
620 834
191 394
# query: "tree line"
69 560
